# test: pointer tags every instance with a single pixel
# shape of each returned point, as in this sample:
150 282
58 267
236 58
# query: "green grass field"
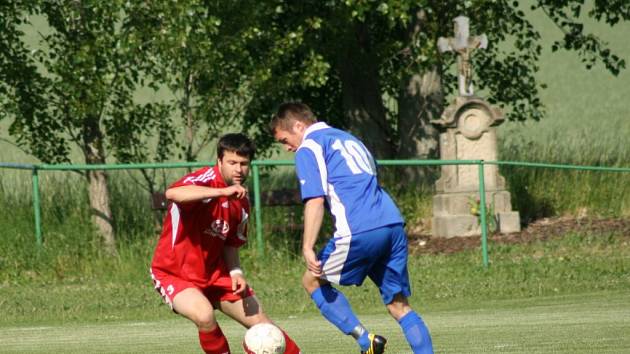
567 294
585 323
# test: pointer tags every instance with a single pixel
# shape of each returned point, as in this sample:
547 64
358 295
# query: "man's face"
291 139
234 168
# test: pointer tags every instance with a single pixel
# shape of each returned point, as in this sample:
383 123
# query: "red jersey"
193 234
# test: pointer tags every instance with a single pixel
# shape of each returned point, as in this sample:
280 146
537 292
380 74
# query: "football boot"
377 344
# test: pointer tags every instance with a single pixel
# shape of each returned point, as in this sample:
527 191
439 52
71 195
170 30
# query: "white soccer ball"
264 338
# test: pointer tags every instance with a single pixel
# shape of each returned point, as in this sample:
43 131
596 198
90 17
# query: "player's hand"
239 284
313 264
235 191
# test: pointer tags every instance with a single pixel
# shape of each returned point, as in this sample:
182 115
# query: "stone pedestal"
468 133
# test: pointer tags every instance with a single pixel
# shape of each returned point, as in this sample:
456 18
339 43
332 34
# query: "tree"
215 59
388 80
76 87
183 40
365 65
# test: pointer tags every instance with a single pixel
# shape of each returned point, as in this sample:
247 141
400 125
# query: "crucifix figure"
463 45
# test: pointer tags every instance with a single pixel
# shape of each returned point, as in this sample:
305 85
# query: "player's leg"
331 302
185 299
248 312
193 304
412 325
392 278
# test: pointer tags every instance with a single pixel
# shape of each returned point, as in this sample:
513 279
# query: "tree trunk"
420 101
187 112
101 212
99 190
362 101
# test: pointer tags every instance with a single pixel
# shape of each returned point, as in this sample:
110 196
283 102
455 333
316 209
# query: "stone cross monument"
467 132
463 45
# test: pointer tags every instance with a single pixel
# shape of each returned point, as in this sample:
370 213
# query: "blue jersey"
334 164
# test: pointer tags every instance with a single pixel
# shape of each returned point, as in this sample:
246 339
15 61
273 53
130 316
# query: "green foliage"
219 72
538 193
475 209
566 14
214 62
184 41
68 239
400 37
77 83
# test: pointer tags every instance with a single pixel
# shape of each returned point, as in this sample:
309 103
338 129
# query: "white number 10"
357 157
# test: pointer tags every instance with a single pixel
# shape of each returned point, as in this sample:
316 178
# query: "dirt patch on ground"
543 229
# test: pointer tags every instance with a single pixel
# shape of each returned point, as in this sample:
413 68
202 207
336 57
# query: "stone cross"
463 45
468 132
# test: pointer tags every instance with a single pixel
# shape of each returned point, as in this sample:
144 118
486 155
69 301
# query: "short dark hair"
290 111
238 143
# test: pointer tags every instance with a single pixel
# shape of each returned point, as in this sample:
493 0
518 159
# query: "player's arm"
193 193
313 217
233 264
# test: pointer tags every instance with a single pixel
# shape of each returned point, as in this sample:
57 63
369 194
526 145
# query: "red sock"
291 347
214 342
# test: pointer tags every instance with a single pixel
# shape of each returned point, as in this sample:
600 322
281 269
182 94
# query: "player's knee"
309 282
396 312
398 308
205 320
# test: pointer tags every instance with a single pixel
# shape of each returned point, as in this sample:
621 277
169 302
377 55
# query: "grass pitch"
583 323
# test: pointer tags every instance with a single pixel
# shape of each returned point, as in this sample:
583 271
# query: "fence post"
36 207
482 211
258 210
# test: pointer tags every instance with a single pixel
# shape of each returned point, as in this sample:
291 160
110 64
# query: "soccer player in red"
196 265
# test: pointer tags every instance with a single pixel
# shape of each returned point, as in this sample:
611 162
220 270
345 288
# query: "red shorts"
220 290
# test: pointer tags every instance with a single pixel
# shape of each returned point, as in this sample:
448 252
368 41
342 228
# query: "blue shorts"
380 254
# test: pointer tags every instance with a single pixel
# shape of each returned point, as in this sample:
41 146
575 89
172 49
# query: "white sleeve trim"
174 223
321 164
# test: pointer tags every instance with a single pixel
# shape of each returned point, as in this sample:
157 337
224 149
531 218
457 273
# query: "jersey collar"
314 127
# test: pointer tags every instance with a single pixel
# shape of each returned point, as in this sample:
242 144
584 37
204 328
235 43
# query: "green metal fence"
257 164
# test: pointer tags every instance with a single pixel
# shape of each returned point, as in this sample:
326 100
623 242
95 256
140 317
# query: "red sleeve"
202 177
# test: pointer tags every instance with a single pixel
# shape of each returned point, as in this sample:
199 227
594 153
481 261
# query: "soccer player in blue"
338 173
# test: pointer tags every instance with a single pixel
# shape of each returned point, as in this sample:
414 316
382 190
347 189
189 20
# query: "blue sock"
334 306
417 333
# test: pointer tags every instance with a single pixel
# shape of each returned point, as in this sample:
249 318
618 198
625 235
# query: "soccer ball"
264 338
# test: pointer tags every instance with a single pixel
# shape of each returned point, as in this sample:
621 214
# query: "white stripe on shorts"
160 289
334 264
